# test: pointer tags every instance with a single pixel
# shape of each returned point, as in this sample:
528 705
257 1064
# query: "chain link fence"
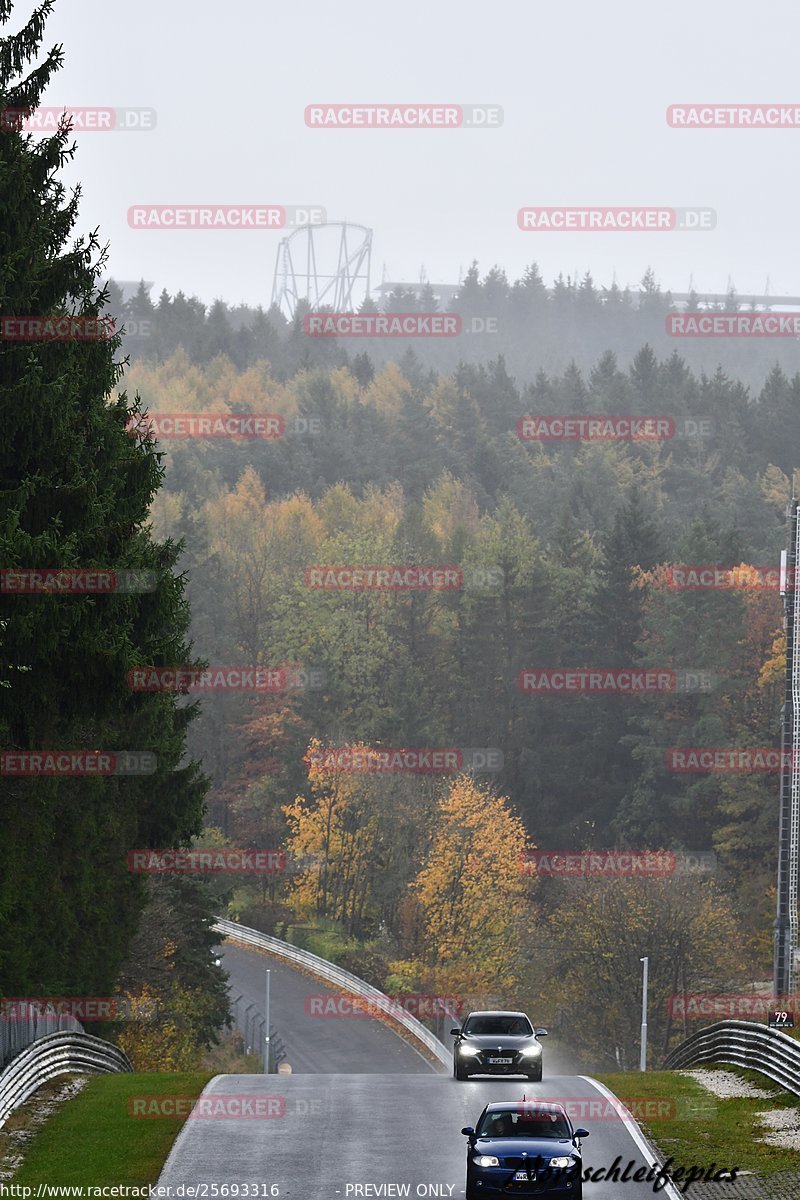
26 1023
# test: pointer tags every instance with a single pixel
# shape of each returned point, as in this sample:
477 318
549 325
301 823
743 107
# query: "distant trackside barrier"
342 979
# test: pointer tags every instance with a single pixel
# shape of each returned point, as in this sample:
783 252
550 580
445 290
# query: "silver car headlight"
562 1161
462 1049
532 1051
486 1160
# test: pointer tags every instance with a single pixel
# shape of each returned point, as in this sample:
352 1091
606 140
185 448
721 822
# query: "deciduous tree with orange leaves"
473 897
362 833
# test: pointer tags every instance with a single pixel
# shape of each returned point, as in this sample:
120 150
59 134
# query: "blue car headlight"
486 1160
563 1160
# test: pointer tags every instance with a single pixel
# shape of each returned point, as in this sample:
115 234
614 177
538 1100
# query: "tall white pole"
643 1054
266 1027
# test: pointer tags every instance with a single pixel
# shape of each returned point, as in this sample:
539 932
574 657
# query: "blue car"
528 1148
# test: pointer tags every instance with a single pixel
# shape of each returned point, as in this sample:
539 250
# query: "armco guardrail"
343 979
743 1044
56 1054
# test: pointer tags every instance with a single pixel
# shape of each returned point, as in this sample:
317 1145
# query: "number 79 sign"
780 1019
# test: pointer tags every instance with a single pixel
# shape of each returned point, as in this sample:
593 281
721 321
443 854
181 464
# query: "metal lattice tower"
324 266
785 965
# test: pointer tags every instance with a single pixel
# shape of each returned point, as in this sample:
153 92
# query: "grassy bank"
694 1127
93 1140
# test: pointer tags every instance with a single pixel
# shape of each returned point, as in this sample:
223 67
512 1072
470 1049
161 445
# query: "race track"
367 1135
354 1045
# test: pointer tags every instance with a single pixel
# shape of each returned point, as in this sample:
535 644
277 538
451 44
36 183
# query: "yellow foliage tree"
262 549
160 1035
774 666
389 392
473 896
338 832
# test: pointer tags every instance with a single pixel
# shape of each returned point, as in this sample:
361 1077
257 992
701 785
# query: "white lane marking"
635 1132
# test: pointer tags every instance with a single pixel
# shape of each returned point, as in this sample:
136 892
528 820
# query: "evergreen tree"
633 542
218 335
75 488
363 369
139 322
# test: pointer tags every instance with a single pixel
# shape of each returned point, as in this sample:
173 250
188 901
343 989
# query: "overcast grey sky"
584 88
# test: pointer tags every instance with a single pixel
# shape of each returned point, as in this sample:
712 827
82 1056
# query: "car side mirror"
541 1033
468 1131
455 1032
581 1133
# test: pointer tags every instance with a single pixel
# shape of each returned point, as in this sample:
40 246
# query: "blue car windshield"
526 1121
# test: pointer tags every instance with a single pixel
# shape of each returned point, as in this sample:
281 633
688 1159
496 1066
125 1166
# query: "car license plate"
521 1175
499 1060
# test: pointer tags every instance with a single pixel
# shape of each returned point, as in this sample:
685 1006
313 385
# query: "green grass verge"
91 1139
699 1128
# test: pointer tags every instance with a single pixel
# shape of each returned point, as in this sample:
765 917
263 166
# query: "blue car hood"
532 1147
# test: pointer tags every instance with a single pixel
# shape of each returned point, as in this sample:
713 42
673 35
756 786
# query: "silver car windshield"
498 1027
